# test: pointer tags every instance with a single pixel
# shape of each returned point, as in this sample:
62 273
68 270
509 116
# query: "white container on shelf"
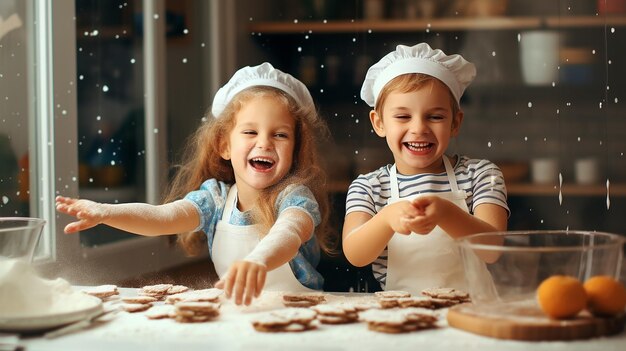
544 170
587 171
539 56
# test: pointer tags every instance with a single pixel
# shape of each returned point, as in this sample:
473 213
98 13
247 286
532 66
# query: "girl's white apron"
235 242
415 261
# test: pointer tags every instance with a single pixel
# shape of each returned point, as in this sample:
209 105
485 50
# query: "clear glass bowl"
504 267
19 237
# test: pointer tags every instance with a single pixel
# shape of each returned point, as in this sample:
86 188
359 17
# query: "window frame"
53 109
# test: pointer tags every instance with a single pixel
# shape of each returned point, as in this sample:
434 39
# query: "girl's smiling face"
418 126
261 144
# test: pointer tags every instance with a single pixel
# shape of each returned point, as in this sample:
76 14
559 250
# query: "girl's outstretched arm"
138 218
245 279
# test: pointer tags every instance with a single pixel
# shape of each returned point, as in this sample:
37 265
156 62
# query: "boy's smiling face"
261 144
418 126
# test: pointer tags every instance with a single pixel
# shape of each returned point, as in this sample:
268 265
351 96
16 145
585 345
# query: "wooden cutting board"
527 322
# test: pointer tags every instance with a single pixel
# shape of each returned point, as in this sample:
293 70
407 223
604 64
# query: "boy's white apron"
235 242
415 261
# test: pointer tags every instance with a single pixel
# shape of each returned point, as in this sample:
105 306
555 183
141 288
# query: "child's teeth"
258 159
418 146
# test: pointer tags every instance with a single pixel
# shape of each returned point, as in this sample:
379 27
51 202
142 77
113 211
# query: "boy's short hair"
408 83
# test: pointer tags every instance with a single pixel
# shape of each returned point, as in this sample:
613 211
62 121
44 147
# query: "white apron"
415 261
235 242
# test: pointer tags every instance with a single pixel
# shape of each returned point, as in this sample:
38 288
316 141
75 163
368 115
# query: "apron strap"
393 181
231 200
451 176
454 187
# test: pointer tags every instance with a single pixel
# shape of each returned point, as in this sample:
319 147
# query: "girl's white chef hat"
265 75
452 70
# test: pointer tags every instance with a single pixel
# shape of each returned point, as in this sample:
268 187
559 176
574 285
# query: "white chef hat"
452 70
265 75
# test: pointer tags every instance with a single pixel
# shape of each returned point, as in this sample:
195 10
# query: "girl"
404 217
251 188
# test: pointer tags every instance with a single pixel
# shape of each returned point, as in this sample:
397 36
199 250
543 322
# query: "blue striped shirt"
370 192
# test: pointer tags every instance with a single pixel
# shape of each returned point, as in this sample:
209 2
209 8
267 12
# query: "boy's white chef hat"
452 70
266 75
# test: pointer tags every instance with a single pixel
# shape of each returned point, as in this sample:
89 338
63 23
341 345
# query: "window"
15 124
73 112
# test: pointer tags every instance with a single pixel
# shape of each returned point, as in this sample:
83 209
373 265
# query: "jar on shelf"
481 8
539 56
587 171
611 7
373 9
577 65
362 64
308 70
333 63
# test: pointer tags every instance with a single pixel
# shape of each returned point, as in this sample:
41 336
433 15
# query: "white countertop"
233 331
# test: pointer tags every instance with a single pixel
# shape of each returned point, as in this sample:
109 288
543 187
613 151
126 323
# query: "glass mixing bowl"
19 237
503 267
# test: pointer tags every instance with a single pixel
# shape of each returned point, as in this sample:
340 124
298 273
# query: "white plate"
90 307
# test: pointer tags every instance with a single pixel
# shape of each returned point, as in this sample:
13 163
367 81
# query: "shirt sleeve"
489 186
301 197
209 201
360 197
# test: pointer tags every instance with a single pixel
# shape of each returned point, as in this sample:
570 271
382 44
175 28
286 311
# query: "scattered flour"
24 294
233 330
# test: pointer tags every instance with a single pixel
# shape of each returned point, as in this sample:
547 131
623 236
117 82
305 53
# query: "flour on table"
24 294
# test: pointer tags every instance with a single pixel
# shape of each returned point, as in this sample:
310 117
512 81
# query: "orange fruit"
561 296
606 296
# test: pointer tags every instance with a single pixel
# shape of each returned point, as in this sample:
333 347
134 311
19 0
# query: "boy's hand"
431 210
88 213
244 280
398 215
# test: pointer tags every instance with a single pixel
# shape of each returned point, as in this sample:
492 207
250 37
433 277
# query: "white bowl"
19 237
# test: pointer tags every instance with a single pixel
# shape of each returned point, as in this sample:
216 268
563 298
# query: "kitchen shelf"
530 189
515 189
440 24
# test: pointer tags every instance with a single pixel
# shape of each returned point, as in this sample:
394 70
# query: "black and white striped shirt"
481 179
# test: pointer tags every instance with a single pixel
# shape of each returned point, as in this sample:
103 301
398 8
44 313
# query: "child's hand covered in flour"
243 281
431 209
88 213
245 278
398 216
